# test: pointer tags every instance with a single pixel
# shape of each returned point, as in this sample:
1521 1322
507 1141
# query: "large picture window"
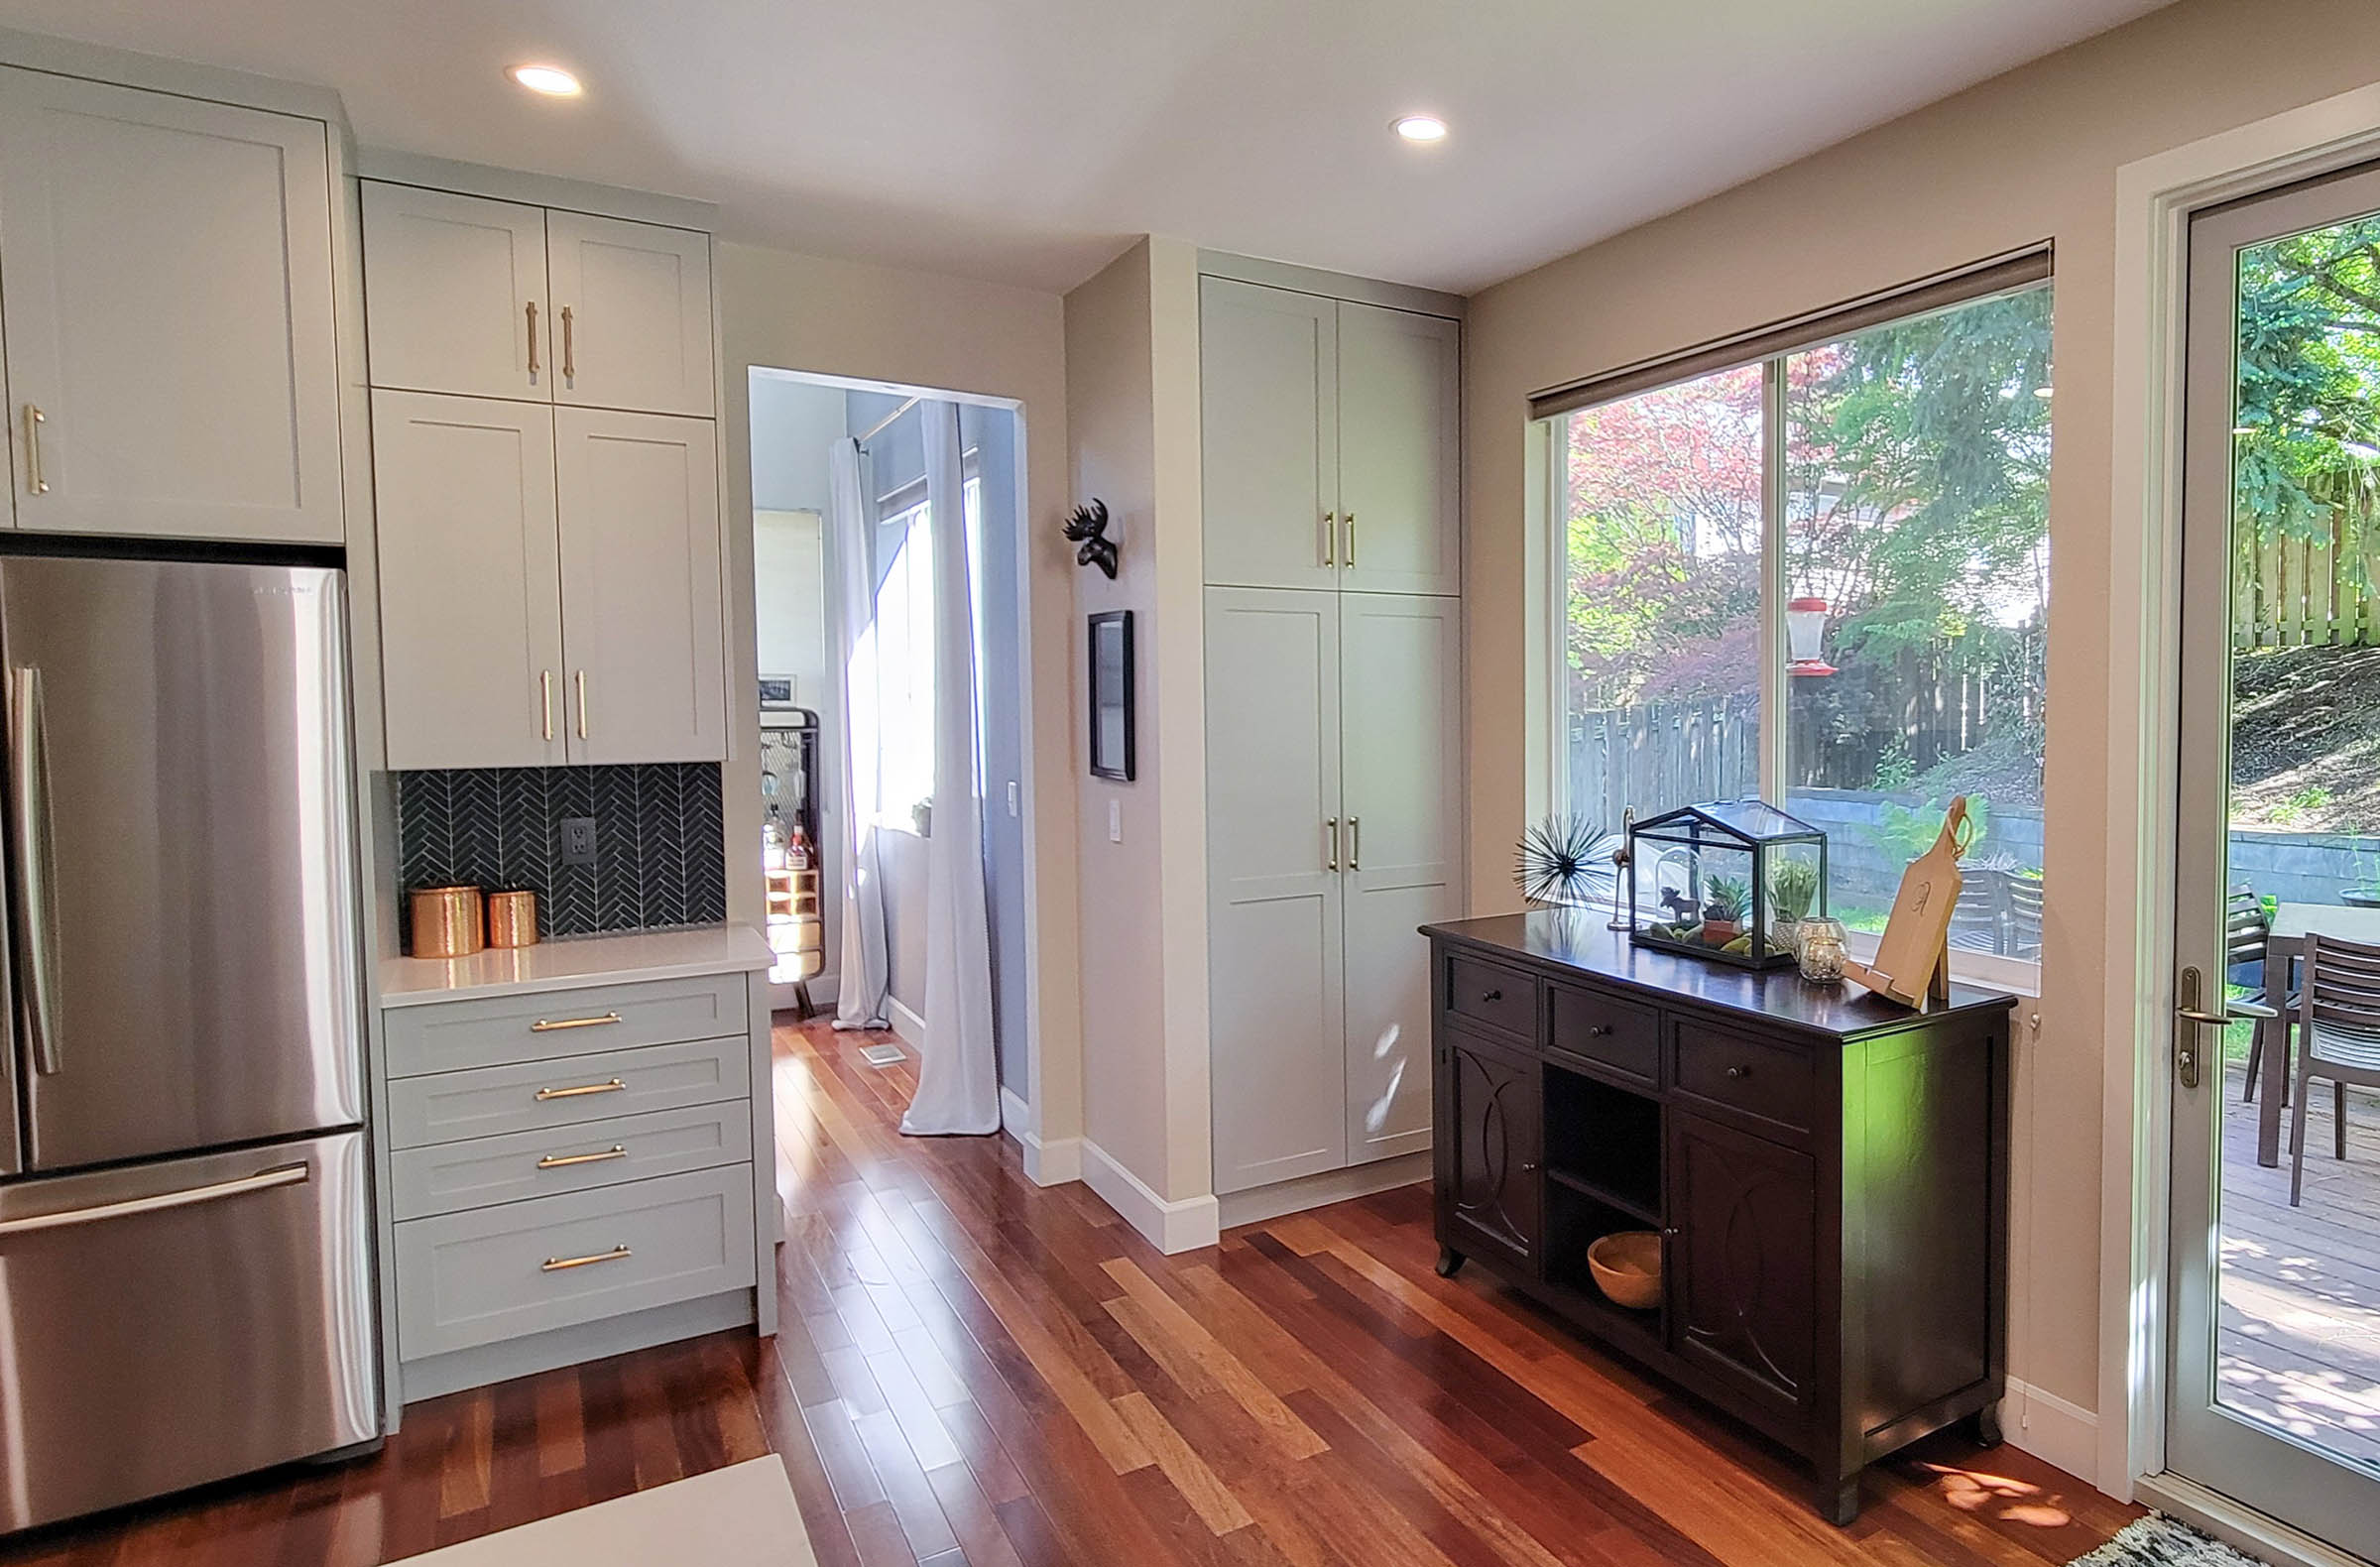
1822 577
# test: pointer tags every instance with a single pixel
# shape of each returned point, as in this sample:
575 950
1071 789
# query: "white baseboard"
1051 1163
2051 1429
1170 1227
907 1027
1259 1203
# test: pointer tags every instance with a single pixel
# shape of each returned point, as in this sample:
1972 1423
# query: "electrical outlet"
578 840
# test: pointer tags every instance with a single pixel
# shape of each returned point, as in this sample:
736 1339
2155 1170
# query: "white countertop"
574 963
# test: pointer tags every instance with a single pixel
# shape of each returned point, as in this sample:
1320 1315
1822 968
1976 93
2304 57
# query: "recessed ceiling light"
1420 127
551 80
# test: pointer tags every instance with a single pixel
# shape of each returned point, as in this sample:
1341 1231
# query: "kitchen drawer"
493 1100
1776 1083
1503 999
467 1279
447 1177
448 1037
1602 1028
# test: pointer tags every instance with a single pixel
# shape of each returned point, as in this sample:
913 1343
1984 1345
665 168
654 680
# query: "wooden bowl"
1628 1267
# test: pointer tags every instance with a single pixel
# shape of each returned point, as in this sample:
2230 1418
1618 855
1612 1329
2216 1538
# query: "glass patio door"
2274 1370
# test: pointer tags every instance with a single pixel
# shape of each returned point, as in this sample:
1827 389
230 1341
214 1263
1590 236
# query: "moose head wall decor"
1088 527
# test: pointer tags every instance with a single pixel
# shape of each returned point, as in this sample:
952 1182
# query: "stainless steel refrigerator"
185 1247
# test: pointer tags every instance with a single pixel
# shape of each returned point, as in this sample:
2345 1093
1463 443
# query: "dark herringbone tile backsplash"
661 857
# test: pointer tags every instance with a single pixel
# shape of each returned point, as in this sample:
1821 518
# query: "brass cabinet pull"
533 342
1350 538
580 1091
582 704
562 1162
1330 538
554 1265
1331 827
569 349
35 419
546 700
555 1025
1355 843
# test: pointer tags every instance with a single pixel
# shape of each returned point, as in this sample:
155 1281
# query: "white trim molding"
1046 1163
1169 1226
1260 1203
2153 200
2051 1429
2268 1540
907 1025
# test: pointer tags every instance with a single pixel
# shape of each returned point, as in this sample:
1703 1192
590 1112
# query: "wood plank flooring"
975 1371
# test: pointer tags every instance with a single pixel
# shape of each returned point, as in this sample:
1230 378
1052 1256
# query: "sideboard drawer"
1774 1082
451 1106
466 1278
448 1177
1620 1034
1502 998
448 1036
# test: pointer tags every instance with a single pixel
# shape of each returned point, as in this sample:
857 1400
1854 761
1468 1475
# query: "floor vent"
883 1054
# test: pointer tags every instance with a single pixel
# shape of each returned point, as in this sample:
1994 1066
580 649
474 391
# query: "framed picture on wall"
1112 694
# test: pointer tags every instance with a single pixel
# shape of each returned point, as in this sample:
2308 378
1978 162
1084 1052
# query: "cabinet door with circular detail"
1743 1261
1488 1180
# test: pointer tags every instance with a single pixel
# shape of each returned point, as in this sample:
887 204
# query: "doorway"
795 417
2273 1384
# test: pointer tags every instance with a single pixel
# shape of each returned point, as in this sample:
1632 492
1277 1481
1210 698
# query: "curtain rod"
878 427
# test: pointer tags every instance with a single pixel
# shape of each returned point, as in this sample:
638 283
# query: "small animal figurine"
1679 906
1088 527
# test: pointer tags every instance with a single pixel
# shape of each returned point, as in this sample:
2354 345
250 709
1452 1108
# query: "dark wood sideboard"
1828 1172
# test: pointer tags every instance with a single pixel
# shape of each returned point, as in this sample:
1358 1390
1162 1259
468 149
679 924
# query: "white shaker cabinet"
632 313
470 582
1276 894
165 290
454 300
639 498
1400 435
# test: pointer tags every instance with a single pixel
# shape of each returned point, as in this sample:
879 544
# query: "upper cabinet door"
1268 368
1400 439
632 314
470 586
172 367
641 598
454 293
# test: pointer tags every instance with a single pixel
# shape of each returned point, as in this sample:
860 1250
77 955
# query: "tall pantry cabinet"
1331 432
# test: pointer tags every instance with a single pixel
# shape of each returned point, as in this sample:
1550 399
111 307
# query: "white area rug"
743 1515
2160 1541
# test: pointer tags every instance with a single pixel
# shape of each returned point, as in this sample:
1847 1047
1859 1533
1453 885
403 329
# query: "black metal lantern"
1727 880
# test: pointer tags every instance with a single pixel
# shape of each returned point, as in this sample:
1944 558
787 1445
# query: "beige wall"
2026 156
1131 388
913 329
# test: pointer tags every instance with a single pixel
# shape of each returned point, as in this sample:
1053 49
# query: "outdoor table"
2285 945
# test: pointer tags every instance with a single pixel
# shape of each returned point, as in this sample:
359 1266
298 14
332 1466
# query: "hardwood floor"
973 1369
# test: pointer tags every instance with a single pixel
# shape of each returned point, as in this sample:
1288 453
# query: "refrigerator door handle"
189 1197
29 823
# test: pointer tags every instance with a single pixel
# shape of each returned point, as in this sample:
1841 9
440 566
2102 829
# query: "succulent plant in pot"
1726 900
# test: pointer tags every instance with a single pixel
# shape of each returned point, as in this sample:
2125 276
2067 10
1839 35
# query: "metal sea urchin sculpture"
1565 860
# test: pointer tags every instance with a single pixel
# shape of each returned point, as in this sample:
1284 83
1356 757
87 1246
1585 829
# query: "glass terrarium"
1729 881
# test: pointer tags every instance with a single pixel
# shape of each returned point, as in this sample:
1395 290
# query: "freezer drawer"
178 1322
466 1278
447 1106
446 1177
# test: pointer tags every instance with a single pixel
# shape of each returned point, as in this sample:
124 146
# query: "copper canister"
447 922
512 919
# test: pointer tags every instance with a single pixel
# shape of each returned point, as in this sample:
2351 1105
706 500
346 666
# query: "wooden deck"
2300 1287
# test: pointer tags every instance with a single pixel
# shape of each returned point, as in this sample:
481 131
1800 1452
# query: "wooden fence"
1657 754
2308 590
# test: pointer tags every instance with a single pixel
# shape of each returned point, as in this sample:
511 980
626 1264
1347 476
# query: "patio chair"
2246 934
1979 920
2338 1038
2024 916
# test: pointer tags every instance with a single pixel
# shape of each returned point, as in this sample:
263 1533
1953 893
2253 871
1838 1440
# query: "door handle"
1355 843
35 419
1330 538
546 700
187 1197
28 810
1350 538
582 704
533 342
1331 827
2192 1012
569 350
561 1161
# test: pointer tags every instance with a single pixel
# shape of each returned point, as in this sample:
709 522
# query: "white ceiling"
1024 140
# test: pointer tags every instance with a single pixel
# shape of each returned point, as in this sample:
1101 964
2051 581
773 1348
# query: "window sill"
1985 970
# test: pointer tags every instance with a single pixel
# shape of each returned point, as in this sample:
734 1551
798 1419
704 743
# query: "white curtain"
864 975
958 1073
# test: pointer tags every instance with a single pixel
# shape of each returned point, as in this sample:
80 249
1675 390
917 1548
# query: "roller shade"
1996 276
